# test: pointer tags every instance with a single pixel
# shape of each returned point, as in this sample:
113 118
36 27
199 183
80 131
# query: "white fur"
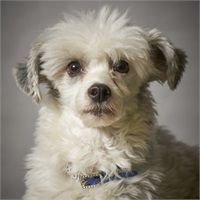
66 137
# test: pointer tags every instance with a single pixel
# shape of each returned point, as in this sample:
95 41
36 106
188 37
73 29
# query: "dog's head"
95 64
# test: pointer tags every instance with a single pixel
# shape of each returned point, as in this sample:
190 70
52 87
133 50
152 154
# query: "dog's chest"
85 149
90 150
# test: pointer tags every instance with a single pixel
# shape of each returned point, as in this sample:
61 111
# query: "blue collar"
101 178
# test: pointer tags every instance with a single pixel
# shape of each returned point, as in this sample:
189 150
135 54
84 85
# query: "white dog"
97 137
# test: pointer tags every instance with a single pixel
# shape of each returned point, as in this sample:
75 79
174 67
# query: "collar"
93 180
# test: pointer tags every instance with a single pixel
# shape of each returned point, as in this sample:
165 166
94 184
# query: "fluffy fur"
71 140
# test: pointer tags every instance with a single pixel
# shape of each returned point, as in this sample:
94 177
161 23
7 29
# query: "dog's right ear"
27 74
169 62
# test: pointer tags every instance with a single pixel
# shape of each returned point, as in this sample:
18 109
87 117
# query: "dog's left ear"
169 62
27 74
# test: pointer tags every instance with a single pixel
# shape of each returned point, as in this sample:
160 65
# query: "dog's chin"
98 117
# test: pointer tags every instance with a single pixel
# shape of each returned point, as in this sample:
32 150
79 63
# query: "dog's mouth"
99 111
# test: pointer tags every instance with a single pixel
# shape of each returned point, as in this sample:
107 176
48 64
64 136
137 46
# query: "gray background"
22 22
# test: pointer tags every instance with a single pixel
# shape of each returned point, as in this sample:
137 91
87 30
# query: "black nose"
99 92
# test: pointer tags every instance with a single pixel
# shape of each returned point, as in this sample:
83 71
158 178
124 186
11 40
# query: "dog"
97 137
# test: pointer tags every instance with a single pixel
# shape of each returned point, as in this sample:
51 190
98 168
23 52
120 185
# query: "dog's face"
96 64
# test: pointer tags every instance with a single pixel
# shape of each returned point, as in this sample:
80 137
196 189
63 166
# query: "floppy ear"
169 62
27 74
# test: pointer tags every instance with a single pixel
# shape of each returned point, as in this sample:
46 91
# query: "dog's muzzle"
99 93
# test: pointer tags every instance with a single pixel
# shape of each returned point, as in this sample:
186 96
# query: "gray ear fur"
27 74
168 60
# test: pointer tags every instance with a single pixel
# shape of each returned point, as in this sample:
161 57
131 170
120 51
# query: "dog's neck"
123 144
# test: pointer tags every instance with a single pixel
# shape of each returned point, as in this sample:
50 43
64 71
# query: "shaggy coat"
77 136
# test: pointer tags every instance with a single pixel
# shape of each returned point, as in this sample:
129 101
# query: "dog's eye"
121 67
74 68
